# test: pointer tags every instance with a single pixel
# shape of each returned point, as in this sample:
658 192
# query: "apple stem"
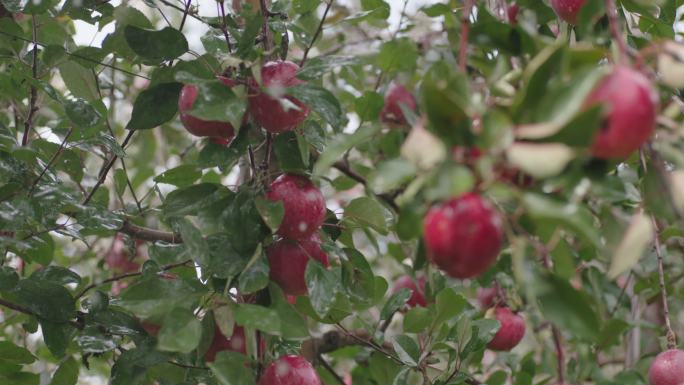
465 31
611 10
670 334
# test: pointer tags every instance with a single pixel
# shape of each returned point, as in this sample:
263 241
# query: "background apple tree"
480 193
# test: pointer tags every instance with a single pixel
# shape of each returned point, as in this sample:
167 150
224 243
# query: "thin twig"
51 161
185 15
128 275
671 336
224 26
330 369
34 92
613 21
265 35
465 32
106 168
150 235
318 32
560 355
342 167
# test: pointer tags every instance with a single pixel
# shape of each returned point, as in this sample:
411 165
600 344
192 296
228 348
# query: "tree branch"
128 275
611 10
106 168
670 334
344 168
52 160
28 124
318 32
465 32
150 235
15 307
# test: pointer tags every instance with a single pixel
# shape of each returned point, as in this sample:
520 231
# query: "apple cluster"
288 257
269 107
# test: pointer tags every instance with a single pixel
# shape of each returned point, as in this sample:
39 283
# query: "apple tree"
334 192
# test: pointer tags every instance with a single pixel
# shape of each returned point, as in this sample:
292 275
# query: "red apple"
463 235
417 291
303 202
668 368
288 260
290 370
197 126
630 119
512 11
488 296
270 108
119 257
236 343
396 96
151 328
511 332
568 9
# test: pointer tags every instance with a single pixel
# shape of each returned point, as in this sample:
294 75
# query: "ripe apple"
630 117
511 332
288 260
280 113
290 370
396 96
417 291
197 126
667 368
463 235
236 343
512 11
303 202
488 296
567 9
119 257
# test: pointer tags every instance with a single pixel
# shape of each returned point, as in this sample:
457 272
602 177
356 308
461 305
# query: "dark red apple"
151 328
512 11
667 368
288 260
236 343
417 288
396 96
511 332
303 202
630 119
197 126
463 235
488 296
290 370
120 259
269 107
568 9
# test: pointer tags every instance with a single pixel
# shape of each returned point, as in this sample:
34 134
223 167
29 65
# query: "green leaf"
195 244
547 212
81 113
231 368
255 276
445 99
57 336
257 317
391 174
287 150
407 350
56 274
366 211
19 378
47 300
536 77
155 106
292 324
215 100
79 80
340 144
449 304
192 199
417 320
94 341
154 296
319 100
271 212
156 46
482 331
395 302
323 286
315 68
369 105
8 278
181 176
180 332
13 354
569 309
66 374
397 55
357 277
